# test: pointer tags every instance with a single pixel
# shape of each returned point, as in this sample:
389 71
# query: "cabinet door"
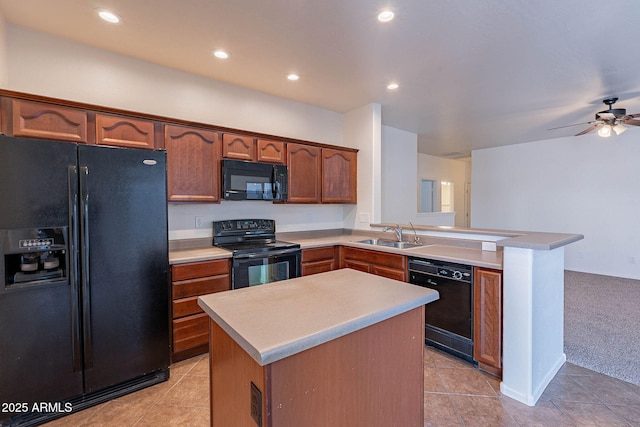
271 151
339 172
304 163
48 121
239 147
193 164
487 319
120 131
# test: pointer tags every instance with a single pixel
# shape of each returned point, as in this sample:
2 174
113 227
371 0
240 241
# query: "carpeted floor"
602 324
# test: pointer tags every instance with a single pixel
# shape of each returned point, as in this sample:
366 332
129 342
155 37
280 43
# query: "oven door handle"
267 254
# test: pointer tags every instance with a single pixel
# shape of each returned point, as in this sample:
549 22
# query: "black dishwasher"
448 320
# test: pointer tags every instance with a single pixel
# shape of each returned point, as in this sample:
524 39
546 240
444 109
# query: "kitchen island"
336 348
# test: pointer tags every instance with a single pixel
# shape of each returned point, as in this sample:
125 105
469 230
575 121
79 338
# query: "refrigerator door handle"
84 265
76 324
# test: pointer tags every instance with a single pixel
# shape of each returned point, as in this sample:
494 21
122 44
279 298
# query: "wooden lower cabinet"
190 325
319 260
487 320
379 263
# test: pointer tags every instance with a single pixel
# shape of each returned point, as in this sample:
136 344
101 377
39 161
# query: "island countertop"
279 319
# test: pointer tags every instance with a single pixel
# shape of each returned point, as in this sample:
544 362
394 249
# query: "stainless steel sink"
389 243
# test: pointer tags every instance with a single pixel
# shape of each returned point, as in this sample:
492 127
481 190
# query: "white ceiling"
472 73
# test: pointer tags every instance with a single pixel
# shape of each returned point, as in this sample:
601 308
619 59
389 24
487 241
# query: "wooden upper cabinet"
239 147
121 131
271 151
304 162
193 164
48 121
339 176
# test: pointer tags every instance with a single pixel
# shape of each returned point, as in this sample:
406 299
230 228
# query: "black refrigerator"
84 289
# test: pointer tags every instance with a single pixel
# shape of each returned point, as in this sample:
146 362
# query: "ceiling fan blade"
587 130
575 124
632 122
634 115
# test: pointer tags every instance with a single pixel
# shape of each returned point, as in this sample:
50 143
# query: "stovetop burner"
247 236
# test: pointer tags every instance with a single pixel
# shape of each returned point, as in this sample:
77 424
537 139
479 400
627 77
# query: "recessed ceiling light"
392 86
385 16
293 77
109 16
218 53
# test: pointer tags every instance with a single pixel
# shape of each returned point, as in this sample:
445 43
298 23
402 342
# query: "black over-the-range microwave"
242 180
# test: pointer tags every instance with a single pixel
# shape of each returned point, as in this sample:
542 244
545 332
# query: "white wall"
399 169
3 53
586 185
59 68
362 129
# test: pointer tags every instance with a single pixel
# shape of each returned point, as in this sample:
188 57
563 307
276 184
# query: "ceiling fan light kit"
611 119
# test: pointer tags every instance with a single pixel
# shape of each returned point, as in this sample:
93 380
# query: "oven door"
260 268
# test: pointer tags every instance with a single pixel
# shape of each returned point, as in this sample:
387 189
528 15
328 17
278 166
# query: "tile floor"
455 394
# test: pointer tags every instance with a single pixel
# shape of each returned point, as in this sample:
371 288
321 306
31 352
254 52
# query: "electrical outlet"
256 404
199 222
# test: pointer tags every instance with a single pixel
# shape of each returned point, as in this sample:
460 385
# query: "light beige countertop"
274 321
442 252
516 239
181 256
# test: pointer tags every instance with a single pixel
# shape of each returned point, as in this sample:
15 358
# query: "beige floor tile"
542 415
610 390
466 381
432 381
630 413
201 368
162 415
482 411
190 391
564 388
591 414
76 418
116 414
439 411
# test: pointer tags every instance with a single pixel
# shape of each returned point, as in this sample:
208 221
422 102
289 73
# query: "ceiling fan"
615 119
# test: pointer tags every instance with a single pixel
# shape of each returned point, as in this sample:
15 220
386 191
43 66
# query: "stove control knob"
457 275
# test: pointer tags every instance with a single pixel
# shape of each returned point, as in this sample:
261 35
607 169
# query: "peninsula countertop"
442 252
279 319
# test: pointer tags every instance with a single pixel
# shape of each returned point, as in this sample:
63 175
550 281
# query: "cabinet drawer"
389 273
318 254
186 307
384 259
356 265
199 269
201 286
190 332
318 267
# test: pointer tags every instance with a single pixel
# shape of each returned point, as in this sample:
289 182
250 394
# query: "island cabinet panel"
319 260
190 330
365 378
487 325
379 263
128 132
304 162
271 151
339 173
47 121
239 147
193 164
